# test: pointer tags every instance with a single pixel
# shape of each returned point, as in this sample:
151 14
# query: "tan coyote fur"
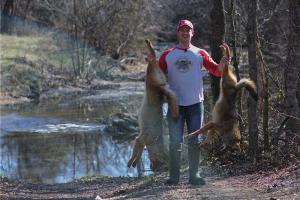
224 123
151 117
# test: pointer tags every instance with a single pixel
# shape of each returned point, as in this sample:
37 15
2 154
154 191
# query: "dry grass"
31 48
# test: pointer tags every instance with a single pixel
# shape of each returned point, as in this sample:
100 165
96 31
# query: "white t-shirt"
183 68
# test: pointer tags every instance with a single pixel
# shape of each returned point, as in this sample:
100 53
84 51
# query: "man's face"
185 34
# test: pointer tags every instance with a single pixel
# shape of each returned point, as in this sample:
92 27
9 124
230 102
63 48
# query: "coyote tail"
249 85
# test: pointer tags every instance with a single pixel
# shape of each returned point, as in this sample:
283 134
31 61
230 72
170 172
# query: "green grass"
32 49
13 46
29 63
23 60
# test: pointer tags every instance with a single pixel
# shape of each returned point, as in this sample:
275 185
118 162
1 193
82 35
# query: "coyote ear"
223 49
227 50
150 47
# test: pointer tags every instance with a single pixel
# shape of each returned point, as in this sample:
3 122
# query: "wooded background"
263 34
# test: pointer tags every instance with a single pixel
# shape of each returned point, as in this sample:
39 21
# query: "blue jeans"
193 117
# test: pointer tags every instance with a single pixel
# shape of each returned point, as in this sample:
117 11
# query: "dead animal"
151 117
225 124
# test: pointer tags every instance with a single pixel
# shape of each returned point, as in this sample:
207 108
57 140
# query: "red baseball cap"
185 22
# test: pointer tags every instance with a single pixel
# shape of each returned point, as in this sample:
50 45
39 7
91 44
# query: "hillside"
33 65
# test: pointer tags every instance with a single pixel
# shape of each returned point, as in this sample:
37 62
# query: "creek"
62 140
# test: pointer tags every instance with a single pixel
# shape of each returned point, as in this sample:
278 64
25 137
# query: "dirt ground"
280 184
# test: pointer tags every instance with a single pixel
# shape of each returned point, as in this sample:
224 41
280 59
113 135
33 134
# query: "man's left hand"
224 62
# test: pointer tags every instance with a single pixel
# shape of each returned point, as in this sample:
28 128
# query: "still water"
62 141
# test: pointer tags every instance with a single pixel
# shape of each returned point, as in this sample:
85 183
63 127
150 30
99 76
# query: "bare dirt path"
278 184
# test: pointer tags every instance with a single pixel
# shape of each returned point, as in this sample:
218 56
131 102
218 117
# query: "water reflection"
39 124
61 157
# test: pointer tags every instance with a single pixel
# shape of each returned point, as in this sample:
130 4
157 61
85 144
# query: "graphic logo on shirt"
183 64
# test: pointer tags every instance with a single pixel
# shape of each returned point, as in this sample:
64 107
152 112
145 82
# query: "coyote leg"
137 152
172 100
205 128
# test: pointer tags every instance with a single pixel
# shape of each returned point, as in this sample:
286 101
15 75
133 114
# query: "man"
182 65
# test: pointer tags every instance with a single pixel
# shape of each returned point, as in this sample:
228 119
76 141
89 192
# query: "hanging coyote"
151 117
224 123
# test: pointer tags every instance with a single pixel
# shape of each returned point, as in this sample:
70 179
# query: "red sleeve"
162 61
209 63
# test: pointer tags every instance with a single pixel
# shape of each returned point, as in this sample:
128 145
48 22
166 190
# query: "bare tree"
7 17
109 27
291 74
252 105
233 34
217 38
264 94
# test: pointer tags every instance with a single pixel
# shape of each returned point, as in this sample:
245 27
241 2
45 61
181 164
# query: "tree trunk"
291 74
7 17
216 39
298 93
252 104
264 94
234 38
235 60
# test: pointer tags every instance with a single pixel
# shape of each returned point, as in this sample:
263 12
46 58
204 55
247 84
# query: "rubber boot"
174 164
193 155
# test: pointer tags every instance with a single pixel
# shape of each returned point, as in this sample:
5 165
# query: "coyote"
224 123
150 116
